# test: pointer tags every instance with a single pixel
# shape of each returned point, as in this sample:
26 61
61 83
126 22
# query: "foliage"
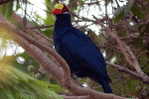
135 35
7 9
49 19
15 84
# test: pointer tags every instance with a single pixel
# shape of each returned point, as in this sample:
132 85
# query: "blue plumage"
83 57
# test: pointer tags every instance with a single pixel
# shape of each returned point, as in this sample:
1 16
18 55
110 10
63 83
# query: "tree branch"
41 37
134 74
129 55
4 1
75 97
49 65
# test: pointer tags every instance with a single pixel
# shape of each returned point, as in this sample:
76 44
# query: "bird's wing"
81 47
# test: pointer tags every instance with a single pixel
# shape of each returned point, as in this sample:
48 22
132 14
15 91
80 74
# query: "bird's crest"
59 6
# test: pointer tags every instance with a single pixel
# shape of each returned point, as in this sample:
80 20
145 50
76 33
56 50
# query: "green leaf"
137 11
19 85
119 15
50 19
7 9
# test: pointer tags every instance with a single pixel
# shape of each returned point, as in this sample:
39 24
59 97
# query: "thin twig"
40 27
126 70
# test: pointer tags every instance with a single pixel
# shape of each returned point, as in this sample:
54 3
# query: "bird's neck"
63 21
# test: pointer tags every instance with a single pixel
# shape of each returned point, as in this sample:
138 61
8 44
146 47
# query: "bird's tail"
106 86
109 79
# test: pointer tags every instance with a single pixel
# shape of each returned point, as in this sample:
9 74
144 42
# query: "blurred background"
129 20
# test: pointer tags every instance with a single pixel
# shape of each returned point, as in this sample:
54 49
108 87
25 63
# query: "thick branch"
50 66
36 33
76 97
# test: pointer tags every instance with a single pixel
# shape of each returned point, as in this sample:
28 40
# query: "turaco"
82 55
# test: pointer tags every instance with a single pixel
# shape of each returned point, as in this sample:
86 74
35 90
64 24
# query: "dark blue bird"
83 57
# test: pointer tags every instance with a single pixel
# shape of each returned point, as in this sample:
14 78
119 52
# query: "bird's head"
60 8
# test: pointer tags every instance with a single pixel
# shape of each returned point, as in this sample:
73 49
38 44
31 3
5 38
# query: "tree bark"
35 50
